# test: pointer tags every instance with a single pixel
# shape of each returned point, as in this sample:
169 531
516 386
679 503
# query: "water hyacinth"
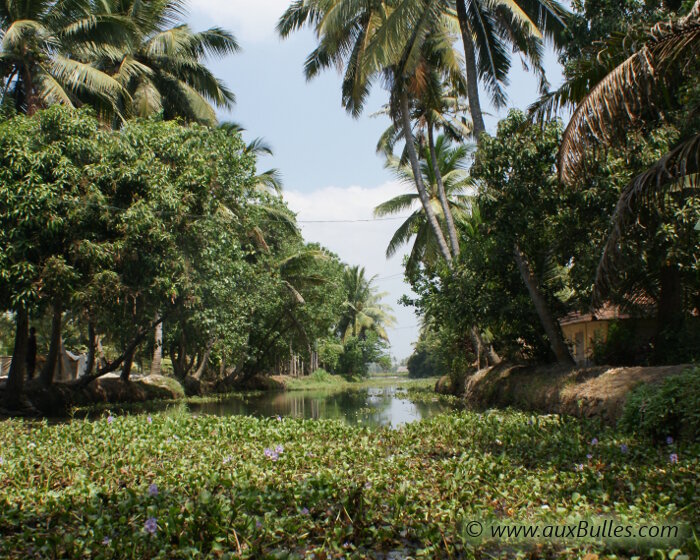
624 448
669 440
594 441
151 525
106 541
673 458
279 449
153 489
110 419
589 456
296 508
149 419
270 454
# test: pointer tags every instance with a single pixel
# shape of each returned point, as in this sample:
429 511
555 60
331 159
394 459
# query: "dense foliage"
117 232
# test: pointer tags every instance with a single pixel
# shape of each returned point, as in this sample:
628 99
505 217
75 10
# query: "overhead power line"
202 216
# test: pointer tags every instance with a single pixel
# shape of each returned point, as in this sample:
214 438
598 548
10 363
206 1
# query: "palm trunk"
551 328
52 359
14 391
422 192
157 362
472 73
449 220
31 98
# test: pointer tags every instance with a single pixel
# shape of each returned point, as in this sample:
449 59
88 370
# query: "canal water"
373 406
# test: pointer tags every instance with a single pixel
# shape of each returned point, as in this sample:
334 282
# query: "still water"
374 406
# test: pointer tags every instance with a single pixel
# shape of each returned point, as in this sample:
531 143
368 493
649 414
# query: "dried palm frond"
631 90
678 170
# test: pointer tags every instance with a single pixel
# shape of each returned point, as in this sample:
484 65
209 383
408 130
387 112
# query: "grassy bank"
322 380
171 485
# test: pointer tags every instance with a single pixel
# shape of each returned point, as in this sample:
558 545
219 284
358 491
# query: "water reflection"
376 406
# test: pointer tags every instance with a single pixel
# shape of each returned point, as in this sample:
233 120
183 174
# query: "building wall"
581 336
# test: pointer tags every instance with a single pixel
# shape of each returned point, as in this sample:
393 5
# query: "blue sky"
327 158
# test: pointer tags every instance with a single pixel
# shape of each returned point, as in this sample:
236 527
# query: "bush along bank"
170 485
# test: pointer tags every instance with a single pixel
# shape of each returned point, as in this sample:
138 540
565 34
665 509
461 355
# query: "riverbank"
322 380
163 484
60 399
598 392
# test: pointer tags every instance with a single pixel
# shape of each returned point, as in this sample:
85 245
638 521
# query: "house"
583 330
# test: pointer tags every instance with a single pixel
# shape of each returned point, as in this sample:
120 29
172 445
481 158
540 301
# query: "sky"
332 176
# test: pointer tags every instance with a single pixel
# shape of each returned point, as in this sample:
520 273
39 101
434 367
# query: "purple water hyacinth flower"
151 525
228 459
149 419
106 541
589 456
110 419
673 458
594 441
669 440
274 456
268 452
624 448
2 461
305 511
153 489
279 449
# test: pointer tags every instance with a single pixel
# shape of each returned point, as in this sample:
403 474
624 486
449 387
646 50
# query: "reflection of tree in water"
376 406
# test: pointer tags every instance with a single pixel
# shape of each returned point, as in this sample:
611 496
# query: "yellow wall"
580 337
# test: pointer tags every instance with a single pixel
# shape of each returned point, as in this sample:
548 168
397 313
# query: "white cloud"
360 242
250 20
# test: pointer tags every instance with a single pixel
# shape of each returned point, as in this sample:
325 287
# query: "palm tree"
268 181
162 66
451 161
362 310
641 90
345 29
48 49
436 110
491 31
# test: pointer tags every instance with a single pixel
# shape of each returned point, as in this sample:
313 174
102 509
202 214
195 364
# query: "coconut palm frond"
633 89
677 170
403 234
396 205
270 180
146 99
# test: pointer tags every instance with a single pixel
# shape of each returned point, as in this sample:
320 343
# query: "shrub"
320 375
671 408
621 347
